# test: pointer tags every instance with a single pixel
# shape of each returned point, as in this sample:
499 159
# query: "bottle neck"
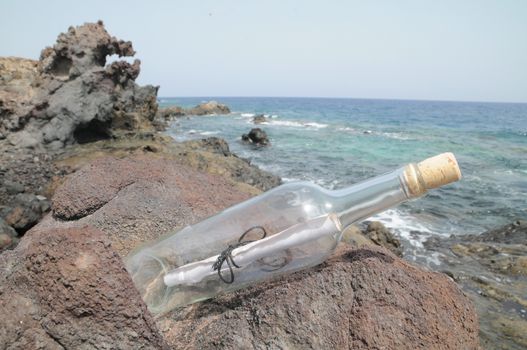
375 195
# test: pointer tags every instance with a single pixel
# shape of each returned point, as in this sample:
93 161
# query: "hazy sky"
442 50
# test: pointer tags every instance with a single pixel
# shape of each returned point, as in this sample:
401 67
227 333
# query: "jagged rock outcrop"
206 108
67 289
71 95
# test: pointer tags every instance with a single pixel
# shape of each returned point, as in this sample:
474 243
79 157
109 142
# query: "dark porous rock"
359 299
26 211
380 235
67 289
73 96
207 108
256 137
259 119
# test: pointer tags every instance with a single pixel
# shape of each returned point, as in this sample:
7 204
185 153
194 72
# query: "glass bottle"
291 227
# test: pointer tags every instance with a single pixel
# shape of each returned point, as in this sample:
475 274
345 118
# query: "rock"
360 299
380 235
211 144
207 108
13 187
258 119
168 113
8 235
137 199
256 137
26 211
354 236
492 269
75 97
67 289
231 166
364 290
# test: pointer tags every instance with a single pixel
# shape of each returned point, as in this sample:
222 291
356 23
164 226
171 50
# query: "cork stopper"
431 173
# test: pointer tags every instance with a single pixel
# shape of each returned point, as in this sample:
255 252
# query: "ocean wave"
396 136
206 133
247 115
406 227
295 124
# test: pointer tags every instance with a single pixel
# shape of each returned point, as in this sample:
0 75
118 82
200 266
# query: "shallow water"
337 142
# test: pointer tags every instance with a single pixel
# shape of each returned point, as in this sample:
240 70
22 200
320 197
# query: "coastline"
122 175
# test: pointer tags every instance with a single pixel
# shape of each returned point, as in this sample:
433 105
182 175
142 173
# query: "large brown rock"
67 289
360 299
139 198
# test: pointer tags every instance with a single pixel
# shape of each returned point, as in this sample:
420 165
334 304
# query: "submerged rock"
67 289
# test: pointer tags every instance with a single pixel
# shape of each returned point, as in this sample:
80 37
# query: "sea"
338 142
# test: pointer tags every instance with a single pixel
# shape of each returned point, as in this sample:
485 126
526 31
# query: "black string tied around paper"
226 255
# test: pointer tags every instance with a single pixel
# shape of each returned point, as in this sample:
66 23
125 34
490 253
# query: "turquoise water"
337 142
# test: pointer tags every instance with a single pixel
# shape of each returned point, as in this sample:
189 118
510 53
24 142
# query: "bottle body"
291 227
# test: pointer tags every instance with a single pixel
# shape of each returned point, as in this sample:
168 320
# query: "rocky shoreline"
88 176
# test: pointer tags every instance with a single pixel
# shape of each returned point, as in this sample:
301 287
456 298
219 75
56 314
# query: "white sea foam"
403 225
289 179
396 136
316 125
247 115
205 133
347 128
296 124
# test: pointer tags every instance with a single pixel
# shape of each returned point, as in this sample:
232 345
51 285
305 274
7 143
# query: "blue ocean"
338 142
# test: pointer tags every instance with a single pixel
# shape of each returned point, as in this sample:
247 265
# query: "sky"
471 50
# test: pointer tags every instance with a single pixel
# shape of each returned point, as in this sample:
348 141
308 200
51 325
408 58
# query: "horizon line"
350 98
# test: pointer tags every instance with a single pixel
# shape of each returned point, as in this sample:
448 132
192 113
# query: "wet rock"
258 119
67 289
207 108
75 97
256 137
492 269
382 236
360 299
